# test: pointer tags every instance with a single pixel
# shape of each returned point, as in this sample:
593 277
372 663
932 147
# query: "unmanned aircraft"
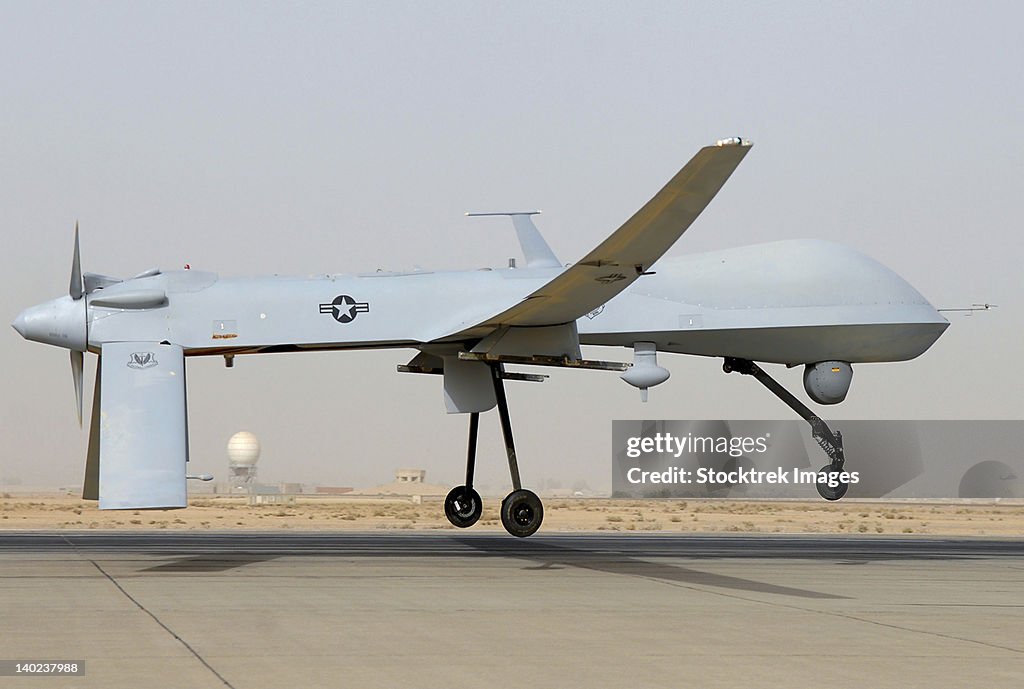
802 302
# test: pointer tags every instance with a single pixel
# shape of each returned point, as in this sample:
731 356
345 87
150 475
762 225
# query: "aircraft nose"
19 324
60 322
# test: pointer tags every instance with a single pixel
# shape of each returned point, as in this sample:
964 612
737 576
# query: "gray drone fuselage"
790 302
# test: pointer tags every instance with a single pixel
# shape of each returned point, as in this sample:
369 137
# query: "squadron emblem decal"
142 360
344 308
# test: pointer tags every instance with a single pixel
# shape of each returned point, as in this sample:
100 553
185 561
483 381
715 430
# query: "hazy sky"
250 138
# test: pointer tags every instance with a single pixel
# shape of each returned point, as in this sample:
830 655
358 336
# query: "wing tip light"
734 141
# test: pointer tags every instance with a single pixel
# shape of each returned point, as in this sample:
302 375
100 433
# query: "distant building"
410 475
333 490
408 482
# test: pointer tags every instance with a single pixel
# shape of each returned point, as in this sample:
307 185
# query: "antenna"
969 310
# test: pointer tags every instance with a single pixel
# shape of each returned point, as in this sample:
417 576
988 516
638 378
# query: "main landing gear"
521 510
463 506
831 443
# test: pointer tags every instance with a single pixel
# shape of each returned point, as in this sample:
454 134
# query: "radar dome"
243 449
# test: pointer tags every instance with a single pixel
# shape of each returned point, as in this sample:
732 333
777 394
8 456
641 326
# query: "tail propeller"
76 375
76 290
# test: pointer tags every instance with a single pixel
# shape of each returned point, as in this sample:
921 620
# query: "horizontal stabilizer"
143 435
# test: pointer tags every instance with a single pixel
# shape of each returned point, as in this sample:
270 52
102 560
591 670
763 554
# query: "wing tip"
734 141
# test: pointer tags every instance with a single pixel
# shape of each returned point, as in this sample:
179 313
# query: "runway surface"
458 609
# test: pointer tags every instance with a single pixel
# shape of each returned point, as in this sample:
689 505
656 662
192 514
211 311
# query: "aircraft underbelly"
854 343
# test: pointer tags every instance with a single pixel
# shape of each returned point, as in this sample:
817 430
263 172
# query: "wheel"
463 506
521 513
829 492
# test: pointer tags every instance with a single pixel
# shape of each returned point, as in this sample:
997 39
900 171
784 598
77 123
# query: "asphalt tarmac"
458 609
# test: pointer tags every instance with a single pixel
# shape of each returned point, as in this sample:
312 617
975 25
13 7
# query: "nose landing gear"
828 491
831 488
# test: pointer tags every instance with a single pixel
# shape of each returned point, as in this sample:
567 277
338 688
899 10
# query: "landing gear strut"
521 510
463 506
830 442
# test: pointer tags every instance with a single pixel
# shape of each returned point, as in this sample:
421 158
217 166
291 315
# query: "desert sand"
960 518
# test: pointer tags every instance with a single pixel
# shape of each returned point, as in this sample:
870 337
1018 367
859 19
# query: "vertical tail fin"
535 250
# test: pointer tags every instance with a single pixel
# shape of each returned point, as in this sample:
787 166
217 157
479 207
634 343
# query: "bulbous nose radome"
60 322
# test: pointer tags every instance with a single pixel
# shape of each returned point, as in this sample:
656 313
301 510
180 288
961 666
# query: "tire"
828 492
463 506
522 513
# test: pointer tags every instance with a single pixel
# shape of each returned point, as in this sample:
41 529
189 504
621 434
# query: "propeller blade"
75 290
77 361
91 485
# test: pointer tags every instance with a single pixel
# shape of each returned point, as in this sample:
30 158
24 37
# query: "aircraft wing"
632 249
